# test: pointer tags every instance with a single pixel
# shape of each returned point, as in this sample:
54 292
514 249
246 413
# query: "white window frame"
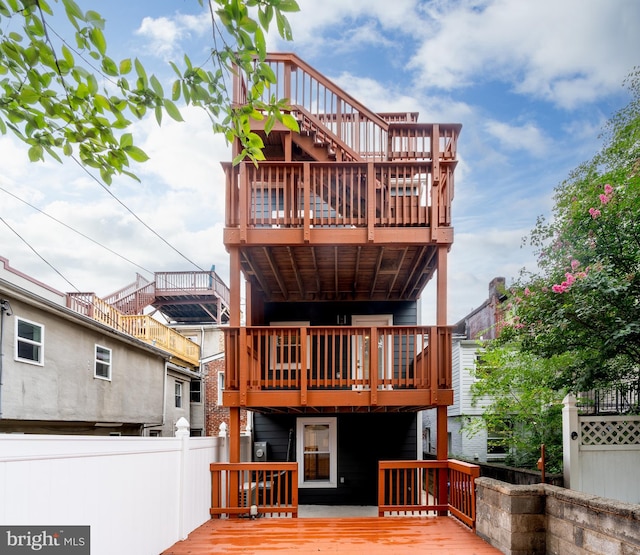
273 347
39 344
220 388
360 367
178 394
97 361
332 449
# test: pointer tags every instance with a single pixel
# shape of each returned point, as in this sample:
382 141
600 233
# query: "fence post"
182 433
571 444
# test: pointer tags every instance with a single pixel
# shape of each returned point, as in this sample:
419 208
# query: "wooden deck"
349 536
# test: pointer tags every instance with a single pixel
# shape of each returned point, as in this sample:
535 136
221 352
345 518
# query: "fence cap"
182 427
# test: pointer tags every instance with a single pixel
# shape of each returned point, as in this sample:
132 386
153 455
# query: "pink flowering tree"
583 302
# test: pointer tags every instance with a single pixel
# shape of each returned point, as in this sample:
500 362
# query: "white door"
361 350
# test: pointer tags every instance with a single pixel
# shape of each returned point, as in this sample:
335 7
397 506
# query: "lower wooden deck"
348 536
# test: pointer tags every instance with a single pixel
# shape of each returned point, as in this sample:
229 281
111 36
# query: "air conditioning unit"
260 451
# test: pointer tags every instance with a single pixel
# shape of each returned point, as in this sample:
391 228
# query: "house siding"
363 440
334 313
62 395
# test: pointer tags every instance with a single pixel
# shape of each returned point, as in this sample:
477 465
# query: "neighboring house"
64 373
335 237
182 312
483 323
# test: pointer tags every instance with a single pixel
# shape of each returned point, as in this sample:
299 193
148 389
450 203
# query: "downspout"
4 307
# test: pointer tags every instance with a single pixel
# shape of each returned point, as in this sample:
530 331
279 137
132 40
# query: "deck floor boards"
348 536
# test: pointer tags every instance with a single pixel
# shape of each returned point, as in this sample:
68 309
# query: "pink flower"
608 189
559 288
604 199
527 292
575 264
595 213
570 279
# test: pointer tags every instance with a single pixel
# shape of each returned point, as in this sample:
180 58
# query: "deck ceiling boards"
339 272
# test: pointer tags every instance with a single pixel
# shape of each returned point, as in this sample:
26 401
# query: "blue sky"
531 81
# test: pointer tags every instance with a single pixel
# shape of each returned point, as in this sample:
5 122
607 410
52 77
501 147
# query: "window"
102 368
178 392
196 391
220 389
29 342
285 347
317 452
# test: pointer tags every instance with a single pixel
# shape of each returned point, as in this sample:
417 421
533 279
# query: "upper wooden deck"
353 207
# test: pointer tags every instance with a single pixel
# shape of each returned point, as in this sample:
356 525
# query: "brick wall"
214 413
545 519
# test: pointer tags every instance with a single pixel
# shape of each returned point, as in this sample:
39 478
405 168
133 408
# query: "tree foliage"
516 391
584 302
67 97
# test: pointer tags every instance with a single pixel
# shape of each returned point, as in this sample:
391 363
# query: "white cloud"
557 51
164 34
526 137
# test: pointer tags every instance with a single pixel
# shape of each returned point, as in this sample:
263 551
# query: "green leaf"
101 102
283 27
291 122
175 90
156 86
288 6
125 66
136 153
158 113
109 67
98 40
126 140
172 110
36 153
142 74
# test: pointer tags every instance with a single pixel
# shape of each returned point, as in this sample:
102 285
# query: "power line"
135 215
75 230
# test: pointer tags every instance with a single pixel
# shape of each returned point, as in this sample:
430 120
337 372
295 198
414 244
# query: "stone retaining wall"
544 519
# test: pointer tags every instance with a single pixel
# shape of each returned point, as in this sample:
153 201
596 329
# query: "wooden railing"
420 487
142 327
347 358
183 283
270 488
150 330
362 130
338 194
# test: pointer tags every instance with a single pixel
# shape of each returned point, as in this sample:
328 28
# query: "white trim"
220 387
96 361
357 370
40 344
273 348
331 449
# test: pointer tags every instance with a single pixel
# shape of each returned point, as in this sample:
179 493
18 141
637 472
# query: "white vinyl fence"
601 453
139 495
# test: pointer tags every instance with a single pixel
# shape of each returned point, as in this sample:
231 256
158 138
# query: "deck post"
442 441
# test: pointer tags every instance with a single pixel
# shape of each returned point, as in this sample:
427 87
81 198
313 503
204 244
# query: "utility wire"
38 254
84 169
76 231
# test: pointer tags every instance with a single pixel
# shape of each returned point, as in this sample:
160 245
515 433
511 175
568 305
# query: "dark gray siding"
363 440
334 313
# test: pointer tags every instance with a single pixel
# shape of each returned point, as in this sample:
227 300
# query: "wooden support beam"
276 272
296 272
377 272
